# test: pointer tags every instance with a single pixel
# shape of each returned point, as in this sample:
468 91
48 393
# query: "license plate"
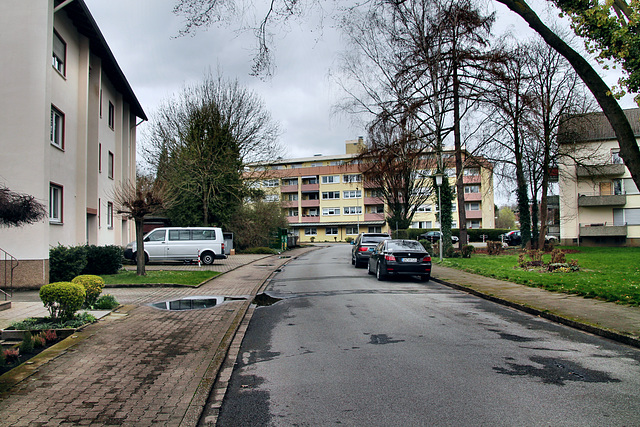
370 249
409 260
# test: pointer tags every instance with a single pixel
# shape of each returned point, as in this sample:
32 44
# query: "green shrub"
26 346
93 286
348 239
65 263
467 250
39 341
62 299
103 259
106 302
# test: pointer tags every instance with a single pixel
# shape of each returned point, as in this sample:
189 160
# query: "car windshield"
404 245
374 239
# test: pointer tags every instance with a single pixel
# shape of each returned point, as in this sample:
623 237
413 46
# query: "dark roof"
594 127
79 14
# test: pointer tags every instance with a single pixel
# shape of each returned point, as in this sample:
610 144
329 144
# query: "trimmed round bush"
62 299
93 286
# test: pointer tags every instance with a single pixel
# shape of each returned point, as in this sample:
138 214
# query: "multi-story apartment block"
599 201
326 198
68 124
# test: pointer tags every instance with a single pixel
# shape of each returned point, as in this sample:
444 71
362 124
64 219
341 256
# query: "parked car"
434 236
181 244
364 245
400 257
513 238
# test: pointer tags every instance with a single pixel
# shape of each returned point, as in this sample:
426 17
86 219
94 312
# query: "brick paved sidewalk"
144 366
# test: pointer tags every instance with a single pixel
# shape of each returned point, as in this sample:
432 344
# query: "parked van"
181 244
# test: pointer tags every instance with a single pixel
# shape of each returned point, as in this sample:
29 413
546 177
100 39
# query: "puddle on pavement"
194 303
262 300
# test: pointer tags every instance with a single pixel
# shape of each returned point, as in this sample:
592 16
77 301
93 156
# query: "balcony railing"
472 197
596 199
9 264
603 229
473 214
310 203
289 189
610 169
374 217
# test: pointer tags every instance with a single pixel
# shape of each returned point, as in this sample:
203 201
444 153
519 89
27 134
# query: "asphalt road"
343 348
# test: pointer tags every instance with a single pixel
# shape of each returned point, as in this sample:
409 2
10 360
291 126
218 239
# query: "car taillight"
363 249
389 258
222 246
427 258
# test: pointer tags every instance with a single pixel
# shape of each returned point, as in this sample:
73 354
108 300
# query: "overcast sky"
142 34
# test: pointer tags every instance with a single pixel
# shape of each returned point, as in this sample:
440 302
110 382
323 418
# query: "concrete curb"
576 324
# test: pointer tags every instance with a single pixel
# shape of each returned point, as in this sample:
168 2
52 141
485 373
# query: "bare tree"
201 141
136 201
18 209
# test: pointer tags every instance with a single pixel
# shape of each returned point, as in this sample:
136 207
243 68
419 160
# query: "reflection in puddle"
192 303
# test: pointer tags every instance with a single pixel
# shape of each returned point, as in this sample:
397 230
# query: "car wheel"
379 273
207 258
425 277
353 261
369 268
135 258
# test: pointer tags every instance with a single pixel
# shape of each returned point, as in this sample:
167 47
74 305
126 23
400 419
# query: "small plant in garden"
11 355
62 299
93 286
3 361
26 346
558 257
106 302
467 250
39 341
573 265
494 248
50 336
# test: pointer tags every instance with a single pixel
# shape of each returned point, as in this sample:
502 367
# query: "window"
55 203
352 231
375 229
292 197
376 193
471 189
331 231
110 165
336 163
311 196
312 212
109 215
112 115
290 181
421 224
473 206
156 236
352 178
293 212
424 208
474 223
203 234
310 180
99 158
353 210
57 128
377 209
331 179
310 231
271 198
330 211
471 171
59 53
330 194
177 235
270 183
617 187
316 164
352 194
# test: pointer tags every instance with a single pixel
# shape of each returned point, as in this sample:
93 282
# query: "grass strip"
610 274
187 278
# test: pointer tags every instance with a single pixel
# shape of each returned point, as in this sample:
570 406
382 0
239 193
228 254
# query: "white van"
181 244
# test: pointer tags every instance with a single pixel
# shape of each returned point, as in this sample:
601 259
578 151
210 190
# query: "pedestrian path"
607 319
142 365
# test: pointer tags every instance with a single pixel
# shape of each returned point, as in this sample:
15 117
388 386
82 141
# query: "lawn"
187 278
610 274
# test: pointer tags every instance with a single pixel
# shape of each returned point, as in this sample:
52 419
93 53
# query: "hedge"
62 299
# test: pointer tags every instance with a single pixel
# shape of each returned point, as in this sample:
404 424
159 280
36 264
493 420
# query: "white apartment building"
326 198
68 130
599 202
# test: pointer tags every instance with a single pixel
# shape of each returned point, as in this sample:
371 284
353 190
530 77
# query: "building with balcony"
599 202
68 137
326 198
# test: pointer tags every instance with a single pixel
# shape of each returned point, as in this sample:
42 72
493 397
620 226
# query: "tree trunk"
140 258
457 141
629 150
